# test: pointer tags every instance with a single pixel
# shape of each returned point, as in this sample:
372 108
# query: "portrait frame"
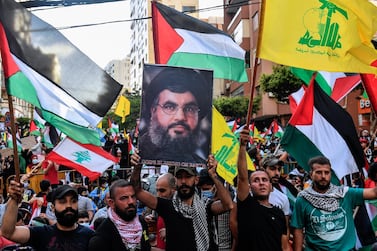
198 82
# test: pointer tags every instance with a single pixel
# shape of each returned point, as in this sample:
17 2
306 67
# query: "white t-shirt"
280 200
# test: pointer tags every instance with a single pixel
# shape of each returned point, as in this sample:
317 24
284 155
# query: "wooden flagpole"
250 108
14 139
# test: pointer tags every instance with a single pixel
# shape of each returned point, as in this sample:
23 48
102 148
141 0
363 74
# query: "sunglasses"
161 190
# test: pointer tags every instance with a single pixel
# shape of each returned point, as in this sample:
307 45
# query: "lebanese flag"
182 40
322 127
46 70
89 160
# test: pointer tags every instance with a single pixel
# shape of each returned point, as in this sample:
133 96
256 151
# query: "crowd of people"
188 208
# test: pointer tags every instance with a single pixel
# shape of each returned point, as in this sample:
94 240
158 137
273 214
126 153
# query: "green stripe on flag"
302 149
219 64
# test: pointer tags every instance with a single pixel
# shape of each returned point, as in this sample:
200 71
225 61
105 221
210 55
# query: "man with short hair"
261 226
185 215
326 211
175 103
165 187
273 166
122 230
65 235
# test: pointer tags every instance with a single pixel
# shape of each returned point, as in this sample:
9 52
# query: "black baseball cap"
61 191
190 170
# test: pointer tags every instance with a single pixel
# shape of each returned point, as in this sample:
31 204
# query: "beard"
185 196
67 220
124 214
160 136
321 187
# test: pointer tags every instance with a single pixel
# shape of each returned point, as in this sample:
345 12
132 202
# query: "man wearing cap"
185 215
66 234
175 103
261 226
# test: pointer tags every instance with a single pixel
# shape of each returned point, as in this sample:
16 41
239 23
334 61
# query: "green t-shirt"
328 230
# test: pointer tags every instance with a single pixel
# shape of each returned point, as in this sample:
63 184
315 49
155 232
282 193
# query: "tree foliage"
281 83
236 106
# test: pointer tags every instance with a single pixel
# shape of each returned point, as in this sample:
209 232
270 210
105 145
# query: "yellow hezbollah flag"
225 147
123 108
319 34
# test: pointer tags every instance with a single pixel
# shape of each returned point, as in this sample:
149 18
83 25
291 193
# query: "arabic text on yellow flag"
123 108
225 146
319 34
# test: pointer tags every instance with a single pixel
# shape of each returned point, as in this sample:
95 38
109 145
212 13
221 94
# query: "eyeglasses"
172 109
161 190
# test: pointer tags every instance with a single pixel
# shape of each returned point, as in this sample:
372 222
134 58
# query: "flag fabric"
50 136
233 126
370 82
123 108
10 141
254 133
225 146
181 40
113 127
131 148
322 127
335 84
323 35
89 160
33 129
40 123
45 69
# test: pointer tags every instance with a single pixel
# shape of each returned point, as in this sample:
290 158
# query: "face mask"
35 161
26 185
207 194
85 224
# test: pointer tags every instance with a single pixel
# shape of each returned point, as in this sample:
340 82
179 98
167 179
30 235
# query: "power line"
235 5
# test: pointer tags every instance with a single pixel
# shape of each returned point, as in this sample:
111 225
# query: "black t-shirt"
50 238
259 227
179 230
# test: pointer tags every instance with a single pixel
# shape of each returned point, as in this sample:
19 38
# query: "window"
189 9
255 21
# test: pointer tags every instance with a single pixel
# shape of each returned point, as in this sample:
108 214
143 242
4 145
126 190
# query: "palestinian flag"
322 127
89 160
181 40
45 69
10 141
335 84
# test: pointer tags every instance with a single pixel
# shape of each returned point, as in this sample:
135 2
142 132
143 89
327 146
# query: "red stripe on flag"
343 86
304 111
370 83
166 39
9 66
81 169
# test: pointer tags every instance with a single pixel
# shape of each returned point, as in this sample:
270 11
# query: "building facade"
142 50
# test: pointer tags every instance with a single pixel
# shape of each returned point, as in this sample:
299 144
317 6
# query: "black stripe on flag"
341 121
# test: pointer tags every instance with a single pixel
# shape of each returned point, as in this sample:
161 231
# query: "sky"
101 43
